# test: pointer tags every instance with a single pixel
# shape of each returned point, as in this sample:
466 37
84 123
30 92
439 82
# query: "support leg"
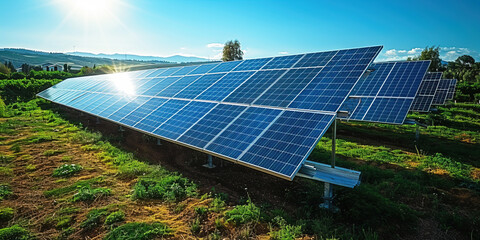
209 162
97 121
159 142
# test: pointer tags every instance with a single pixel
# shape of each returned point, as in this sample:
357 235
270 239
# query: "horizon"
163 29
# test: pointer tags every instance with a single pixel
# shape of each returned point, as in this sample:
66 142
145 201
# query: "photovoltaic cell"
198 86
183 119
264 113
282 92
287 142
210 125
282 62
160 115
238 136
383 93
225 67
224 86
328 90
426 92
441 93
252 64
254 86
381 110
451 89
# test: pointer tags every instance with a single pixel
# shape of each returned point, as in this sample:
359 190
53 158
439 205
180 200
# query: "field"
62 176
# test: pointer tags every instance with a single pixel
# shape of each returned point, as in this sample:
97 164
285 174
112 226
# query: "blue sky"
264 28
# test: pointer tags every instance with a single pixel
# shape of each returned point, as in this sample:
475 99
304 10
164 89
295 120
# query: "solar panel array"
442 91
386 93
266 113
426 92
451 89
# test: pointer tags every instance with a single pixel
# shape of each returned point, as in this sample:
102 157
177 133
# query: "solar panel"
451 89
266 113
385 93
426 92
441 93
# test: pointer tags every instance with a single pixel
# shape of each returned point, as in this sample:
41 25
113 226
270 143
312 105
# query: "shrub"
14 232
169 187
195 227
87 193
3 109
138 231
286 232
115 217
5 191
242 214
6 172
6 214
30 167
217 205
51 152
94 218
67 170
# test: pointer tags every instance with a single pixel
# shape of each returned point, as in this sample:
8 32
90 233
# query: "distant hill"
118 56
19 56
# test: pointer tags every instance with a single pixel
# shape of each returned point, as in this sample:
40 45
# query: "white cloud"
414 51
446 54
214 45
283 53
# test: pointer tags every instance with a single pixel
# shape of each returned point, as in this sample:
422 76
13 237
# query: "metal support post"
97 121
159 142
209 162
328 188
417 133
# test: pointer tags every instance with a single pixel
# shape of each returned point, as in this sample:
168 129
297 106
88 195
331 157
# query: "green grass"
285 231
6 172
67 170
52 152
94 218
88 193
58 192
139 231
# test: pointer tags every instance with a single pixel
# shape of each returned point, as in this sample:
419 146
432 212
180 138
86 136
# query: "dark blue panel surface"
225 67
329 89
254 86
404 79
357 107
224 86
160 115
372 80
391 110
184 71
177 86
421 103
282 62
138 114
238 136
287 142
202 69
110 105
183 119
211 124
200 85
451 89
316 59
127 108
160 85
282 92
252 64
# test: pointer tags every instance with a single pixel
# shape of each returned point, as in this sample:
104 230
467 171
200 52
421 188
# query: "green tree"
4 69
432 54
465 61
86 70
232 51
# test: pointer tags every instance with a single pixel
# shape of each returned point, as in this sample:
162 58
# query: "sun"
98 11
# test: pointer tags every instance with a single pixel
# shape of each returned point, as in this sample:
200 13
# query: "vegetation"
138 231
87 193
166 187
242 214
67 170
14 232
115 217
6 214
232 51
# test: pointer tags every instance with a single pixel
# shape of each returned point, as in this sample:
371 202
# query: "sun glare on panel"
123 83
